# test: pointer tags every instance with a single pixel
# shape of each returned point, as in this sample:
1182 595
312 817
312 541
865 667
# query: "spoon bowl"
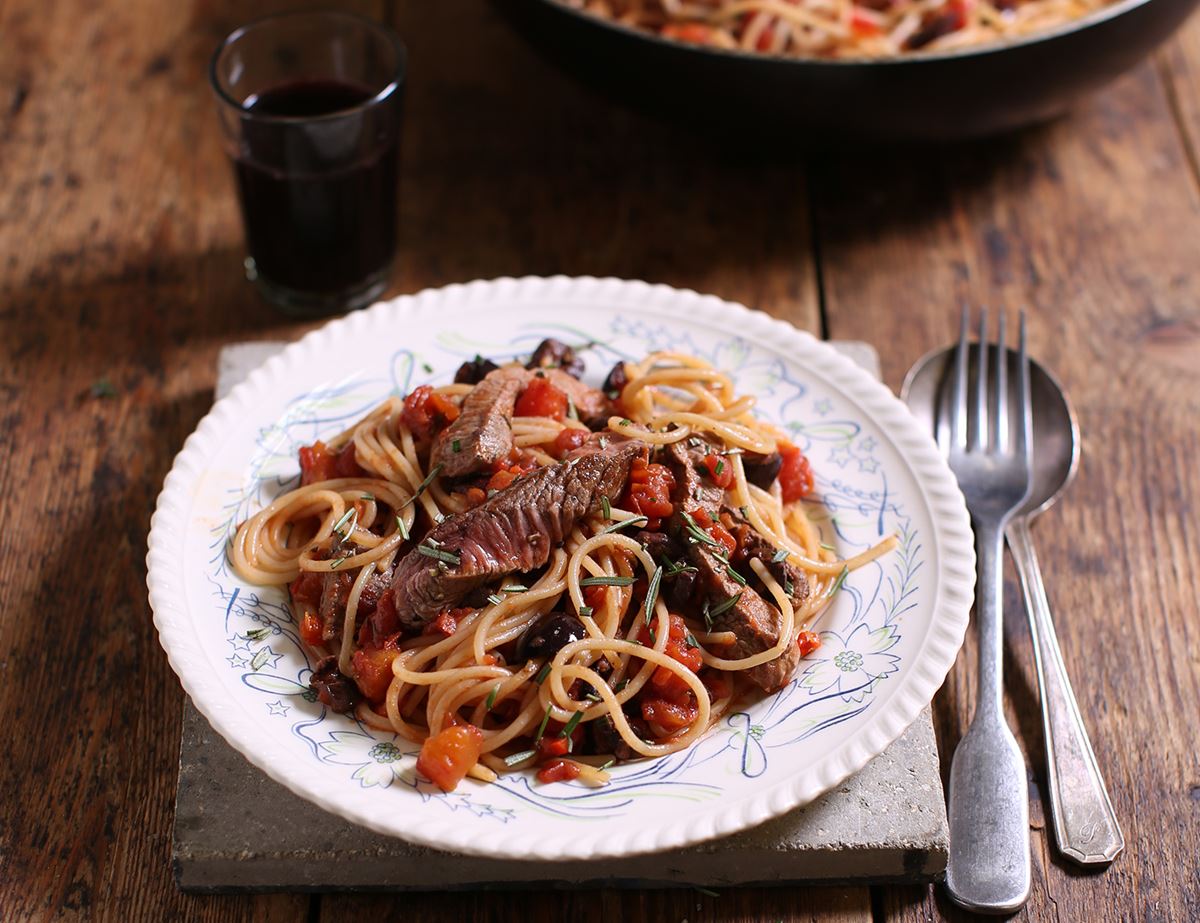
1055 428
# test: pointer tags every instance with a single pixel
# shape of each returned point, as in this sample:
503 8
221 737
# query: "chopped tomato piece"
559 771
694 32
807 641
719 470
553 746
649 491
541 399
594 596
795 474
671 716
569 440
317 463
446 622
306 589
310 629
501 479
718 532
448 756
373 671
476 495
766 39
862 24
346 465
425 410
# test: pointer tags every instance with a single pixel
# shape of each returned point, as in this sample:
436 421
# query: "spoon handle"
1085 825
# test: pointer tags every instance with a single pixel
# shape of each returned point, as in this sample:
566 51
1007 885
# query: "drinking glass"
310 109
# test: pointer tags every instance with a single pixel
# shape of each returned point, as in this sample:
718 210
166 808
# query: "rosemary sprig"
257 634
606 581
726 605
652 593
433 473
542 727
697 533
837 584
571 724
517 758
637 521
734 574
448 557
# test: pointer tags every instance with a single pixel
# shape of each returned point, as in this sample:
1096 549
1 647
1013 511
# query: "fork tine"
958 394
1000 410
978 426
1024 436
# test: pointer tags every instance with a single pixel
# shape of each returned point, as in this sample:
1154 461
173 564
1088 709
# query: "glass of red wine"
310 106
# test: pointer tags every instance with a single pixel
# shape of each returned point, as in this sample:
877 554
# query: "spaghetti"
691 574
840 28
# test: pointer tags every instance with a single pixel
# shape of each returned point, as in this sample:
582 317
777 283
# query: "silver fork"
989 451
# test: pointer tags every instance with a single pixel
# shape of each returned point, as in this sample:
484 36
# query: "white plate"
887 642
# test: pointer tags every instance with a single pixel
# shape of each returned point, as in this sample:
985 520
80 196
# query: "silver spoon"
1085 826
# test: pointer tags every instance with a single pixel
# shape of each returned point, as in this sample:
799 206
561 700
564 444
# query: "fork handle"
989 865
1085 825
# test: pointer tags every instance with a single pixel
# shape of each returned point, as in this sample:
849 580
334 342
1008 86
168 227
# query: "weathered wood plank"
1091 225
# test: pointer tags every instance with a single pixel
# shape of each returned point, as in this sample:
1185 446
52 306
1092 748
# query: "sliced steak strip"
692 490
513 531
483 430
753 621
333 687
751 544
593 407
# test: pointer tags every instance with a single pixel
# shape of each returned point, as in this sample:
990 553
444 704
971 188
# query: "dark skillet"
921 97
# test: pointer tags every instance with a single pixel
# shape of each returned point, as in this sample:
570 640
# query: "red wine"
319 195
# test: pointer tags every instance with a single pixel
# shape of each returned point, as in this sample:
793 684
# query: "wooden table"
120 271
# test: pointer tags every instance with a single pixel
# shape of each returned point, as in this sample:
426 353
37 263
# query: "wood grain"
120 262
1090 225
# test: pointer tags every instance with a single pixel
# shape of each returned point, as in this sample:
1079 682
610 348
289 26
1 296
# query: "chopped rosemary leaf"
606 764
637 521
696 532
606 581
708 622
828 547
401 528
788 586
691 640
433 473
514 588
517 758
780 555
491 699
427 368
542 673
338 562
625 422
495 599
745 511
707 892
620 686
837 584
652 593
585 611
726 605
103 388
542 727
257 634
456 446
337 526
368 497
719 467
735 575
260 658
605 508
592 697
653 636
571 724
449 557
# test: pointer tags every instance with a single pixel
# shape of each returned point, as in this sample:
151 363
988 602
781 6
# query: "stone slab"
237 830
